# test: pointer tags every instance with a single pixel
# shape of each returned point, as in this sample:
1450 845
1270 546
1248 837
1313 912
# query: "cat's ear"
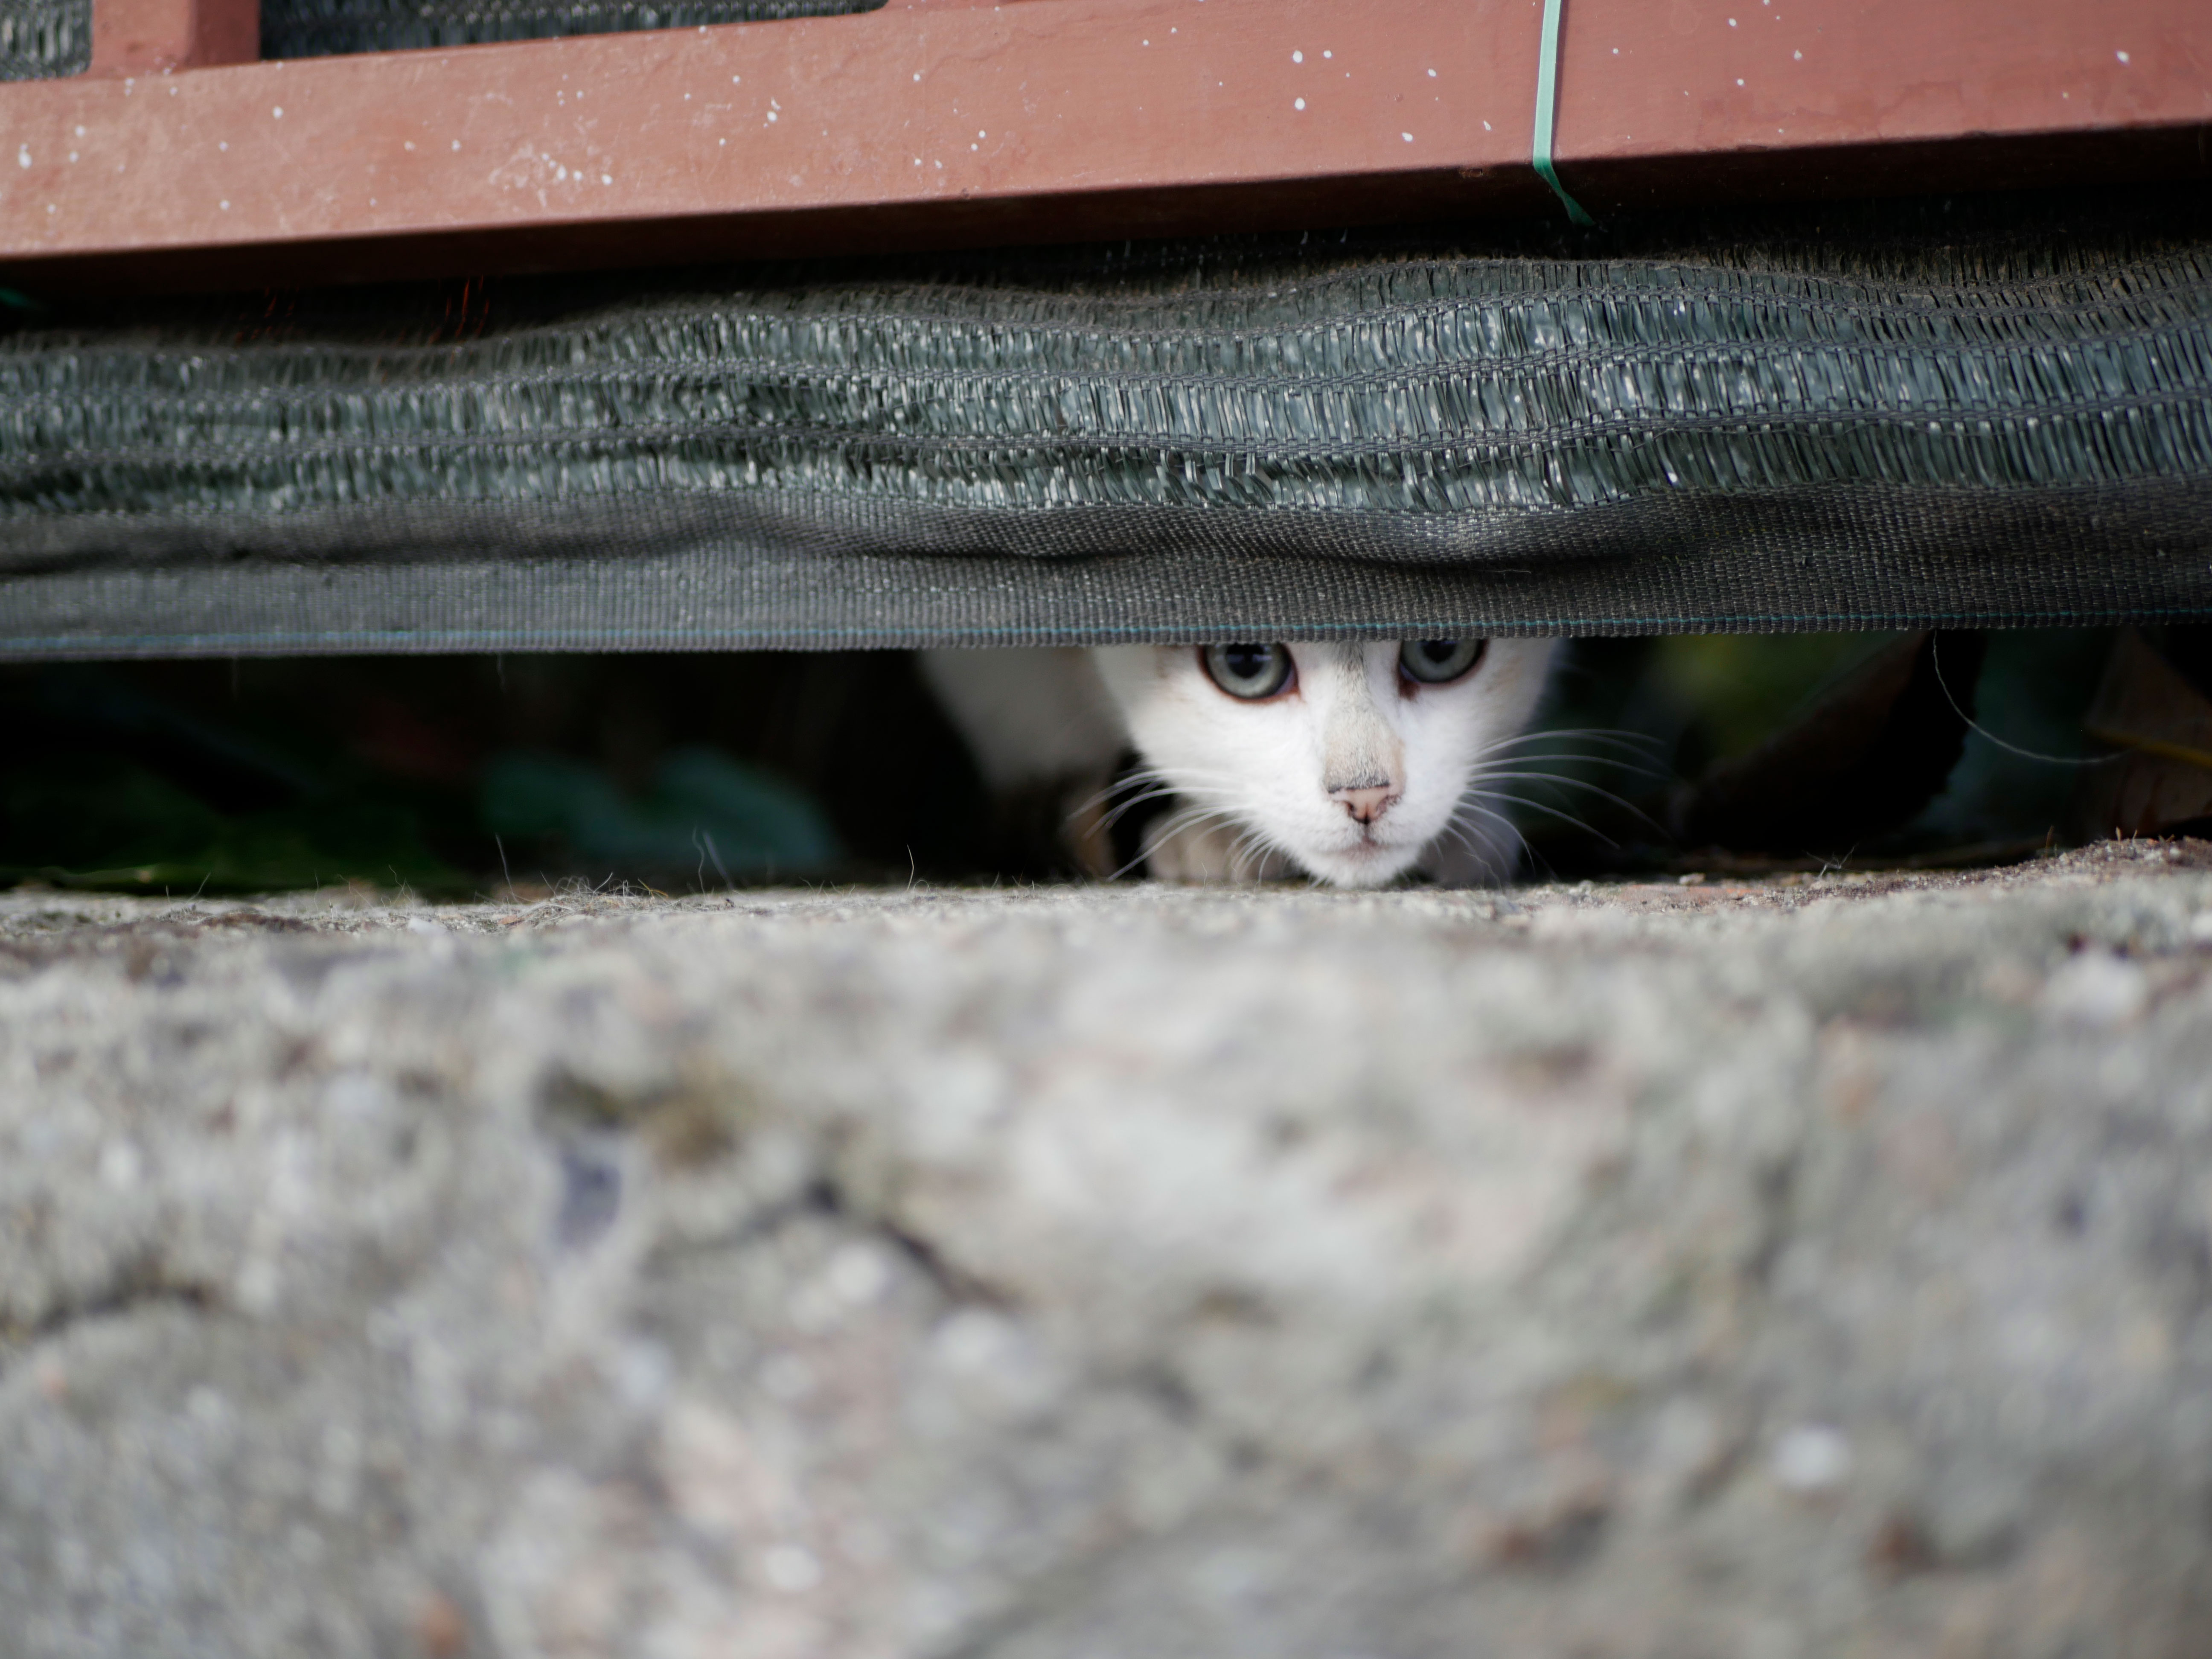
1031 715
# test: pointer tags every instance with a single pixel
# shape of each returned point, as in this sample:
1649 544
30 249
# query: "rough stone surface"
1760 1270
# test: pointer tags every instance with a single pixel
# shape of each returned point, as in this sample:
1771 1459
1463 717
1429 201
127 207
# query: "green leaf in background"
105 821
1741 688
705 813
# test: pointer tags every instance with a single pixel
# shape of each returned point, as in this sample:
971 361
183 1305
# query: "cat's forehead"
1335 653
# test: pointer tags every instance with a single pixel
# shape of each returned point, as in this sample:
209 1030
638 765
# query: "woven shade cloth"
1871 415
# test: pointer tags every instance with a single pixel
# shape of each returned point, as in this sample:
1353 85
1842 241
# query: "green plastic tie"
1548 93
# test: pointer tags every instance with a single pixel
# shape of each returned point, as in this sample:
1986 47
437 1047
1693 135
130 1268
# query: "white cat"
1353 763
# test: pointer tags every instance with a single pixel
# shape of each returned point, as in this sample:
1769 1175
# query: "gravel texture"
1818 1267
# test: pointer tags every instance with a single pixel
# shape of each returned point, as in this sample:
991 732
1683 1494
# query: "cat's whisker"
1131 779
1122 810
1554 812
1127 781
1619 738
1122 870
1135 777
1487 775
1240 856
1645 761
1462 833
1143 854
1218 803
1120 787
1529 754
1256 846
1155 785
1175 823
1569 768
1249 848
1527 848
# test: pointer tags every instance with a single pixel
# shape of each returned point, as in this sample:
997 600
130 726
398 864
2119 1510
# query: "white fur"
1031 713
1264 787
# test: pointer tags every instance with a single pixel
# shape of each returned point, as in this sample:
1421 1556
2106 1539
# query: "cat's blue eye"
1251 671
1440 662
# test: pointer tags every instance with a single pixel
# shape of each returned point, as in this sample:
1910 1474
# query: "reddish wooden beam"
940 124
155 37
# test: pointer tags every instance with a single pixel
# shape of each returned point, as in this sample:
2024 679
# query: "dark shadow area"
1751 752
451 775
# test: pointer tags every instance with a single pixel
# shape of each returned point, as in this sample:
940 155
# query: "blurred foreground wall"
1817 1266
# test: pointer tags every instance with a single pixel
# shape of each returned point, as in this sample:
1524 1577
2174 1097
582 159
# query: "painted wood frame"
176 163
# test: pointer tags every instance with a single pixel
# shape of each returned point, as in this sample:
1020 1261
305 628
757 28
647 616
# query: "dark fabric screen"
42 39
321 28
1866 416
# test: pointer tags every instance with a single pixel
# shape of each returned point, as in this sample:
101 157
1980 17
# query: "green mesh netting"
1852 417
319 28
42 39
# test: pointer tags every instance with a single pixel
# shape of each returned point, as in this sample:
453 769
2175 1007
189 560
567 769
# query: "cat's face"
1356 763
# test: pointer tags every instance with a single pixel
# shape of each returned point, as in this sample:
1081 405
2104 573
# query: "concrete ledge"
1765 1270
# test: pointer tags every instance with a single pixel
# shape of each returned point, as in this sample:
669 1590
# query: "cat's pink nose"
1365 805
